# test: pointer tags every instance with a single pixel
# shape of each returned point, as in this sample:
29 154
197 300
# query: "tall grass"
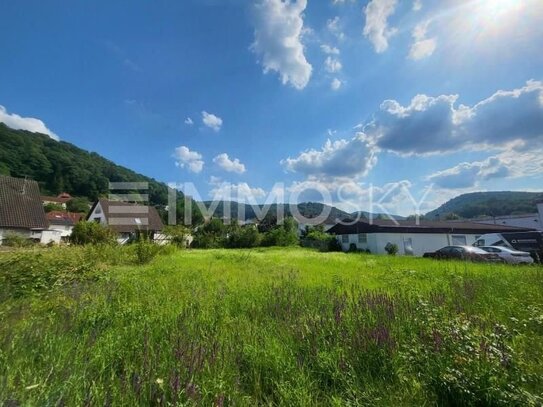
268 327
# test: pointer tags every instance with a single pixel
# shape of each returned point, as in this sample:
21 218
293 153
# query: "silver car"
509 255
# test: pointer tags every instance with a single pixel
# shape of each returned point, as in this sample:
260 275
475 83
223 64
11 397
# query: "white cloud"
189 121
417 5
223 161
332 64
341 158
188 159
25 123
242 192
278 34
506 120
335 84
211 121
422 47
466 175
327 49
376 29
333 26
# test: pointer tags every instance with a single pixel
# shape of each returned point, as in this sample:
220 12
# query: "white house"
21 210
411 238
62 223
127 219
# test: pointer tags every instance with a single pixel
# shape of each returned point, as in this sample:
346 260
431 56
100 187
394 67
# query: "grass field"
89 326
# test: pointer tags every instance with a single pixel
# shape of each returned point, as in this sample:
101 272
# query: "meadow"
86 326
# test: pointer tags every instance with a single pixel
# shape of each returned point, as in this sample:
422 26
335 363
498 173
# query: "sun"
494 10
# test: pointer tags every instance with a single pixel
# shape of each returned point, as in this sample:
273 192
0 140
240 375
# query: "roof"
126 217
63 218
61 198
411 226
20 204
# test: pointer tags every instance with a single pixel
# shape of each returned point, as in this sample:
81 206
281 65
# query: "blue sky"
331 95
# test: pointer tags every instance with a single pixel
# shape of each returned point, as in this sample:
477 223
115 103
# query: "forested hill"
59 166
498 203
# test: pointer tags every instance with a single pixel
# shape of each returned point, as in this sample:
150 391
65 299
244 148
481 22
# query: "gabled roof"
61 198
423 226
125 217
20 204
63 218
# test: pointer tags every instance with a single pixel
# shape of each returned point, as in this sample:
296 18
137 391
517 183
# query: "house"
412 238
127 219
61 200
21 210
63 222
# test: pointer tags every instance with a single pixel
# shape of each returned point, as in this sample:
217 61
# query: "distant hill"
306 209
59 166
498 203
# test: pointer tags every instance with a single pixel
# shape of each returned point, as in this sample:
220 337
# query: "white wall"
420 242
98 213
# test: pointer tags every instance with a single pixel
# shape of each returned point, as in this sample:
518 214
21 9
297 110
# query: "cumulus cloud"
211 121
434 124
189 121
341 158
335 84
25 123
332 64
242 192
279 27
223 161
376 29
327 49
469 174
422 47
190 160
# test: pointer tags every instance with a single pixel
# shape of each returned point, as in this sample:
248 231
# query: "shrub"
145 251
392 249
316 238
92 233
80 205
178 235
16 240
244 237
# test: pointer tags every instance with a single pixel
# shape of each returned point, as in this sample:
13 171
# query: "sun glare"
492 11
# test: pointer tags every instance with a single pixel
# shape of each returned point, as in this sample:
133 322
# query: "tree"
79 205
50 207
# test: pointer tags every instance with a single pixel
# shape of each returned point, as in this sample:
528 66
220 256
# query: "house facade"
411 238
61 200
62 223
21 210
126 219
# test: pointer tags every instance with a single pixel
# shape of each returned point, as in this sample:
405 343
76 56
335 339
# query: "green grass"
90 326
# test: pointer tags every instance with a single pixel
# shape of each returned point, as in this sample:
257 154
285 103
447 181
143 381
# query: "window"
344 238
362 238
459 240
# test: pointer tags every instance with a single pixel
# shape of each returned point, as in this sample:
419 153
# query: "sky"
369 105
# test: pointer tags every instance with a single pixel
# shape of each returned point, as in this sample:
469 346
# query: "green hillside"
496 203
59 166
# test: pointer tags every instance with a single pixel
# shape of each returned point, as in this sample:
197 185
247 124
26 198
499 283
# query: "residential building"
127 219
21 210
412 238
63 222
61 200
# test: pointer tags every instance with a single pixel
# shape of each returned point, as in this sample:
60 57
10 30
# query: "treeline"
479 204
59 166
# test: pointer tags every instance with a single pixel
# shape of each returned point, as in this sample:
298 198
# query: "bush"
79 205
282 235
92 233
16 240
245 237
179 235
391 249
146 251
316 238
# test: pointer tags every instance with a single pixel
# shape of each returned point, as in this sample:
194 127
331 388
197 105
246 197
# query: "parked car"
469 253
509 255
